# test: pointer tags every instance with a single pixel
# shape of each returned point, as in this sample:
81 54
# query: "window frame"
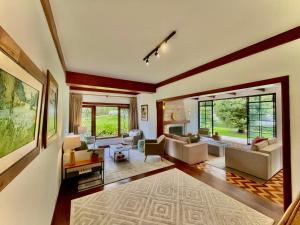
94 105
274 99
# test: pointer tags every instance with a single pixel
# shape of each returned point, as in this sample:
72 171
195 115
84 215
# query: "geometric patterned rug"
271 189
172 197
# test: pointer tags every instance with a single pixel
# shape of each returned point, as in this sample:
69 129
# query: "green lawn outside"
107 125
230 132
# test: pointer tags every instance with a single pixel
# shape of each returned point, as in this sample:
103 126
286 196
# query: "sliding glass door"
206 115
243 118
262 116
104 121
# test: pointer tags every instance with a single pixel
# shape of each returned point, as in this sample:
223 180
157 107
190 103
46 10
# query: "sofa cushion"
261 145
268 149
184 139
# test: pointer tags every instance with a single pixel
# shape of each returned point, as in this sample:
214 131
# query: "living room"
119 76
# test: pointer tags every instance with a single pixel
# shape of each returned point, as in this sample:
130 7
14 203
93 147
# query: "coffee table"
119 148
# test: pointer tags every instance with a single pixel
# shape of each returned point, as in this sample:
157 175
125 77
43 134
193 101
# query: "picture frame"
22 87
50 111
144 112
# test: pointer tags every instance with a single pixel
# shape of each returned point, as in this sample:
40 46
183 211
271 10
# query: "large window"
206 115
105 121
243 118
262 116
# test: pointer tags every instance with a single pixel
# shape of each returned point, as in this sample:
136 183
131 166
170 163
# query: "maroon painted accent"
103 90
160 118
286 140
81 79
272 42
286 143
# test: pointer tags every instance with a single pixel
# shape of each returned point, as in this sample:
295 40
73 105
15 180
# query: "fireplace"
178 130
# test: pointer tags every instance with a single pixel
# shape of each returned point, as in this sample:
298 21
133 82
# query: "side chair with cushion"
155 147
132 137
203 132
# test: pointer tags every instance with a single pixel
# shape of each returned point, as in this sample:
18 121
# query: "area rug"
170 197
115 171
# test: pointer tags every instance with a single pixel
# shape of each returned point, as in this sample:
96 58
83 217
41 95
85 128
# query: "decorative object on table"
70 143
50 110
117 151
216 137
155 147
96 153
21 99
132 137
141 145
144 112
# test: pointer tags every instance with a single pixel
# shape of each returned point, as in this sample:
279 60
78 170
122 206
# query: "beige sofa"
190 153
263 163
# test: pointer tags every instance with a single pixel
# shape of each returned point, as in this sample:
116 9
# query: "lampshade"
82 130
71 142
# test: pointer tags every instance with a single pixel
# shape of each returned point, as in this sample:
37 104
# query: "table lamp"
70 143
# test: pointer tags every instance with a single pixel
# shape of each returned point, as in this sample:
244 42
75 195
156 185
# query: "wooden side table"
83 167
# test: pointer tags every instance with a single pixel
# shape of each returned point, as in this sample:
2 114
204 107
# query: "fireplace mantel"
176 122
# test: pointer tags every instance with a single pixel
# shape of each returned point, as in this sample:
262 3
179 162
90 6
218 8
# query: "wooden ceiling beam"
51 23
103 90
92 81
266 44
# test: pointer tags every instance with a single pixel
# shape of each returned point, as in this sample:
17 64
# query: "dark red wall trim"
160 118
103 90
274 41
100 81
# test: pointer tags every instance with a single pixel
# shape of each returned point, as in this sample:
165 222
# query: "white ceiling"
111 37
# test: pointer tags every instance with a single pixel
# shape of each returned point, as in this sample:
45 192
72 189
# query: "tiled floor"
271 190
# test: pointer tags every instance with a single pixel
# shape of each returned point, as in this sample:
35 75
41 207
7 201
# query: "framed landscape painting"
50 111
144 112
20 110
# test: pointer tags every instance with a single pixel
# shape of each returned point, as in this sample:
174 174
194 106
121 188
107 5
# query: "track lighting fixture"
162 45
157 54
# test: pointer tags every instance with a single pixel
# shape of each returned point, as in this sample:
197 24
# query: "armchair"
155 147
132 137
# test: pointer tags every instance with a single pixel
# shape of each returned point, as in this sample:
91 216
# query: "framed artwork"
21 97
50 110
144 112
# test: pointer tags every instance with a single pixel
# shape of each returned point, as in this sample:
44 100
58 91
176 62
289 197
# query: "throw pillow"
272 141
262 145
258 139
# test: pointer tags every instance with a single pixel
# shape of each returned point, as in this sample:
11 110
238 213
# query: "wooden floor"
68 191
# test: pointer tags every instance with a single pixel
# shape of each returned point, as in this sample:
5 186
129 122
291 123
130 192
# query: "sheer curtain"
133 114
75 112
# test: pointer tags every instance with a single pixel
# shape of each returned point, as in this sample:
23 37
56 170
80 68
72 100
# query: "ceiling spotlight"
162 46
157 54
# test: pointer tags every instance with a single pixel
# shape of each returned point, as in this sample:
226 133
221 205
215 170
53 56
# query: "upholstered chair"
155 147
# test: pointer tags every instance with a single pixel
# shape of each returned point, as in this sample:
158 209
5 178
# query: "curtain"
133 114
75 106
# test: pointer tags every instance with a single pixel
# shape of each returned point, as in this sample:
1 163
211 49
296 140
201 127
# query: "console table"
83 165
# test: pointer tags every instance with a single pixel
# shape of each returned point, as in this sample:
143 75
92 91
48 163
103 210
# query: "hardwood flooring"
68 191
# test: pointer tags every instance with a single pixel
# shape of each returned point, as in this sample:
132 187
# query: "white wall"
191 112
279 61
148 127
31 197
